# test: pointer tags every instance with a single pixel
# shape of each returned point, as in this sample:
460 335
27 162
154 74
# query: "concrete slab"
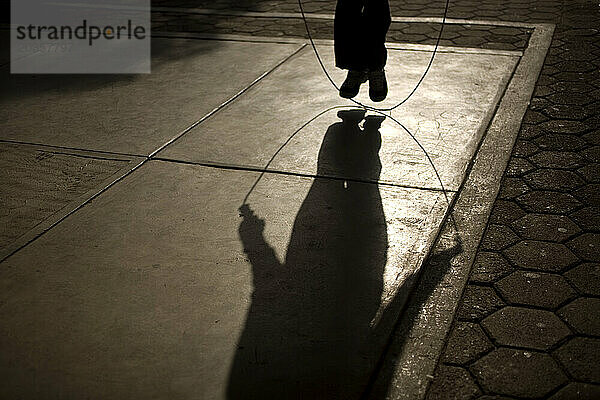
447 114
163 288
36 182
133 114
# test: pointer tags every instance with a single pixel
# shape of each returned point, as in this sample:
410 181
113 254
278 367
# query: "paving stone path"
479 36
527 325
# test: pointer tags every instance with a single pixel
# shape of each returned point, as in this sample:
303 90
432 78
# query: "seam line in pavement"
56 218
76 149
299 174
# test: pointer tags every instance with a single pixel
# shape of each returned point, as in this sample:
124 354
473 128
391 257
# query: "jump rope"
380 111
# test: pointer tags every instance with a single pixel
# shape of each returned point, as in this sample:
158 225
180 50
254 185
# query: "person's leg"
348 35
377 20
349 43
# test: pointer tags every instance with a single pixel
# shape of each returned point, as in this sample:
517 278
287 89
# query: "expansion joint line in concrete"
248 168
73 150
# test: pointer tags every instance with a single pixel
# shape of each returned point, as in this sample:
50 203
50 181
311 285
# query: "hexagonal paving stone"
498 237
505 31
518 373
586 246
593 137
536 289
579 31
549 70
580 358
588 218
553 179
572 77
466 342
592 154
504 212
556 228
447 35
513 187
532 131
532 117
577 390
518 166
589 194
571 87
489 267
469 41
557 159
586 278
582 315
544 80
530 254
576 66
559 142
524 327
499 45
561 86
524 148
478 302
418 29
591 173
570 98
595 118
547 201
452 383
566 111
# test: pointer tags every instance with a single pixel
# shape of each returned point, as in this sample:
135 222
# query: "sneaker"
351 85
377 85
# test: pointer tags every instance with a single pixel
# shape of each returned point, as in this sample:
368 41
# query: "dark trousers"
359 33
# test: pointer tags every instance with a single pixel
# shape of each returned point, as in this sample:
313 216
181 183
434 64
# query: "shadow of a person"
308 327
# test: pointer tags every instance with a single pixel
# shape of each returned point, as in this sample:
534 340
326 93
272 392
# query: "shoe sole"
348 95
377 99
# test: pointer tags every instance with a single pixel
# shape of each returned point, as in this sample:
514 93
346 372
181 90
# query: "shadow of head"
351 117
373 123
351 150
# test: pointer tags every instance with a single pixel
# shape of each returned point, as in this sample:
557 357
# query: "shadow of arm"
260 254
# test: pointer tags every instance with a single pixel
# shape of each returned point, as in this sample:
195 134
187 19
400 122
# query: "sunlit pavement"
153 258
